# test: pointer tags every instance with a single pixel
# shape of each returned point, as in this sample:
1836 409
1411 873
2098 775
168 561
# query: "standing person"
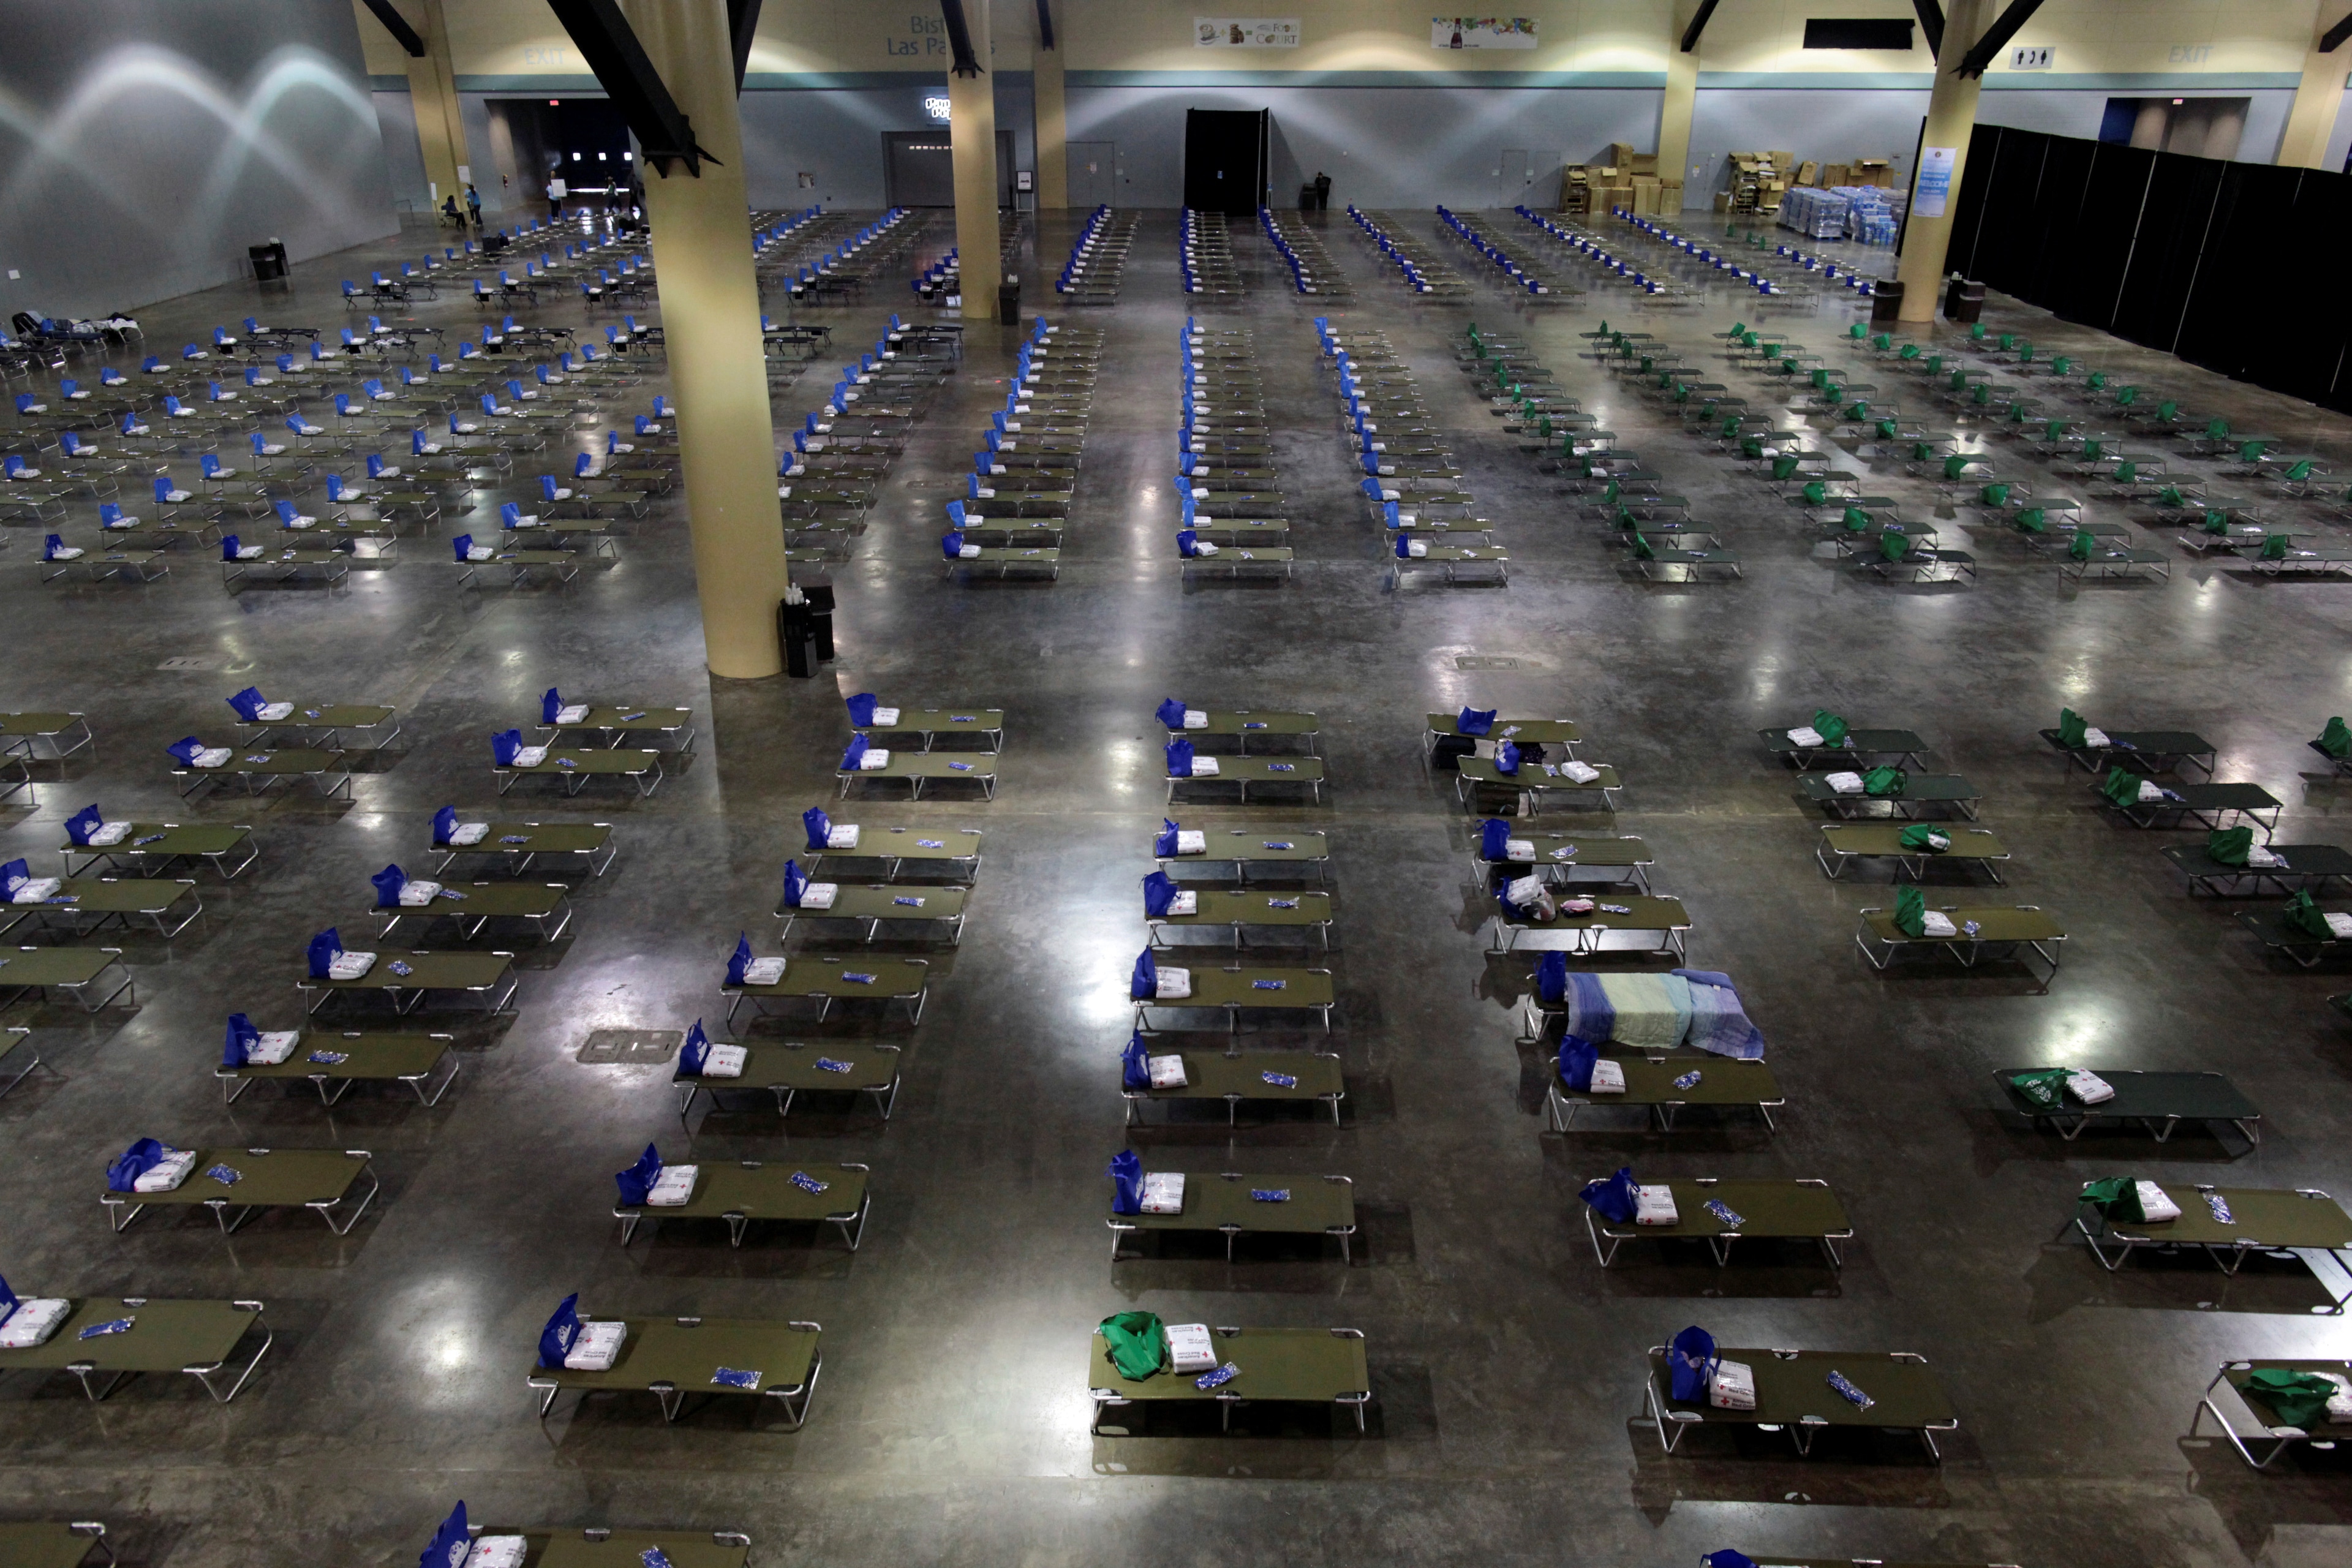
474 206
556 191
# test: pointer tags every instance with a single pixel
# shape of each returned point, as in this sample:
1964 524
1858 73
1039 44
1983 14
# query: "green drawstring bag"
2171 496
2080 547
1831 393
1784 465
2053 429
1729 428
1883 342
1934 365
2275 547
2126 473
1960 381
2025 353
1886 783
1820 378
1789 367
1625 518
1893 547
1815 492
2121 786
1926 837
2034 520
2250 452
1910 351
1643 550
1857 410
1738 330
1543 428
2168 410
1976 331
2307 917
1682 392
1982 396
2217 430
2117 1198
2094 450
1587 464
2073 729
1610 491
1829 726
1649 363
1752 448
1955 466
2046 1089
2008 341
2230 846
2216 521
1995 496
2061 365
2337 739
1857 332
1138 1341
1886 428
2298 472
1856 520
1751 339
2296 1398
1921 451
2127 397
2097 381
1910 912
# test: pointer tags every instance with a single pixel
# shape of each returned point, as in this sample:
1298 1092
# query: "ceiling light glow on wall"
937 108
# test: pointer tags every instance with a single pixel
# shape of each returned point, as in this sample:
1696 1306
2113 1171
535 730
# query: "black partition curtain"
1225 159
2234 266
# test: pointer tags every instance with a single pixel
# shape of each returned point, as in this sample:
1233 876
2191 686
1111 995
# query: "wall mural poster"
1245 32
1482 32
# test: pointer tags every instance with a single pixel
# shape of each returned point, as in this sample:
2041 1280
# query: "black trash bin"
1964 301
796 632
820 609
1885 303
1307 198
1008 302
268 261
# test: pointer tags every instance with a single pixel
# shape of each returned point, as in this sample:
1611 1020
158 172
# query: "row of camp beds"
1406 256
1655 527
1206 255
1233 504
1033 445
1097 258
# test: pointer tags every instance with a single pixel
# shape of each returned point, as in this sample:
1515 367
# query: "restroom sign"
2035 59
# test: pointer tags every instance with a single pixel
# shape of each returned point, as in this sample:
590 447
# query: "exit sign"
2036 58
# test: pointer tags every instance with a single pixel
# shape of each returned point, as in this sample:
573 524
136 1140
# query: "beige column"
710 318
1682 98
2317 98
972 125
1053 125
1943 159
433 93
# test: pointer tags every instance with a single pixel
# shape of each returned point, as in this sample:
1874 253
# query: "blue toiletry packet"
963 719
226 1175
638 714
1252 724
930 843
807 1183
961 767
1268 985
1859 1400
910 903
516 839
565 762
826 1064
851 977
727 1378
1281 844
1688 1079
2220 1208
1282 903
1280 1079
330 1059
1731 1218
262 758
655 1557
1270 1195
1217 1379
112 1326
453 894
149 838
401 969
1282 767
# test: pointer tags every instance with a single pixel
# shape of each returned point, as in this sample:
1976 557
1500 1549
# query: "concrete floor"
951 1422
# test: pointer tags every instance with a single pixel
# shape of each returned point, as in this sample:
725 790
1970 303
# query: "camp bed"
1521 731
1243 848
563 564
1926 561
1302 1366
1920 790
18 1036
900 906
588 844
2308 866
131 565
2214 804
1800 1210
1235 561
1450 559
87 903
1664 918
1233 1076
1650 559
1237 909
328 773
93 976
1226 1203
332 567
150 846
2142 751
547 906
2266 1426
2271 926
2261 1220
598 1547
321 724
916 769
956 848
1623 859
2117 561
1905 745
2004 931
827 981
1247 724
932 722
1793 1394
406 979
2158 1101
1259 990
332 1061
1842 844
789 1069
672 1357
1008 559
319 1179
1534 784
740 1191
199 1338
641 768
1652 1082
612 722
53 1545
1243 770
64 732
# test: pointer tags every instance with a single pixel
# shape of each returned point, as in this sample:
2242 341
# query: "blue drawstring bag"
1145 983
185 748
1692 1360
694 1052
325 947
1159 891
1180 759
1475 721
461 546
1726 1558
451 1542
1135 1064
1188 545
444 823
555 1340
740 960
854 758
1506 760
122 1176
1494 840
1127 1174
82 824
1612 1197
638 1179
1404 547
238 1046
1171 714
249 703
388 883
1551 978
795 883
1577 1057
550 705
951 546
819 827
861 709
8 1300
504 745
1164 842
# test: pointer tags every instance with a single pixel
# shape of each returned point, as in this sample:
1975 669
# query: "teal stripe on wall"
1366 78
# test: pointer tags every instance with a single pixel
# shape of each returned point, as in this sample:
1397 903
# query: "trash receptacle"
1885 303
1964 301
820 609
796 633
268 261
1008 302
1307 198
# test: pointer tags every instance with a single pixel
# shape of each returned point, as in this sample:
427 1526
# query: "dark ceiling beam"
2328 42
610 47
1996 36
742 21
405 36
959 39
1698 25
1931 24
1046 25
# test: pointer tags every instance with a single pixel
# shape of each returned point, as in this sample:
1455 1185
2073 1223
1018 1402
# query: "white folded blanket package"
211 756
1518 849
2339 925
496 1551
1732 1386
884 718
1804 736
35 889
572 713
819 895
1166 1072
272 1047
350 965
108 833
469 833
763 971
1204 767
31 1321
2089 1086
1844 783
1195 720
1608 1078
2154 1204
876 757
1189 1348
415 894
273 713
673 1186
1653 1204
1189 842
167 1173
844 836
1583 773
1935 922
724 1061
597 1348
530 756
1163 1191
1174 986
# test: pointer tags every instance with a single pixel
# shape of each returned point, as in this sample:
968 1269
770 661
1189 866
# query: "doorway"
1224 160
584 141
2198 127
918 168
1094 175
